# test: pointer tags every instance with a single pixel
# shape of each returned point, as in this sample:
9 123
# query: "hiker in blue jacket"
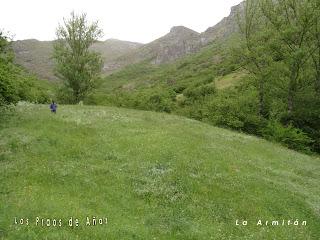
53 107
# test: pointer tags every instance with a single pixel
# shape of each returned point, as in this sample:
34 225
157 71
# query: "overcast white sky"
131 20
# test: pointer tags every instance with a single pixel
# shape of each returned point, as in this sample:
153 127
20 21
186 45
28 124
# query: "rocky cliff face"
177 43
225 27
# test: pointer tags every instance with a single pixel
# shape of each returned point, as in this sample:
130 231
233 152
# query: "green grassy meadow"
153 175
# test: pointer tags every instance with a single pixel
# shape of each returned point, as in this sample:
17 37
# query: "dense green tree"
314 43
76 65
291 22
9 86
280 48
6 53
279 33
251 53
16 83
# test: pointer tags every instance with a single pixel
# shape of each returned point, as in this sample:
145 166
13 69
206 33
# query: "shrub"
289 136
159 103
199 92
236 110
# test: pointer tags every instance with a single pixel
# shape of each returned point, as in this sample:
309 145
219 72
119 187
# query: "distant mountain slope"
36 55
177 43
180 41
209 66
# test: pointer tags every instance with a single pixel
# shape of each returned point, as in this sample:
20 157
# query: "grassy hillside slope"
155 176
212 65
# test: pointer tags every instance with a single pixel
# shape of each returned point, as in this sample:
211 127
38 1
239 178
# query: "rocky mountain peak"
238 8
226 27
178 30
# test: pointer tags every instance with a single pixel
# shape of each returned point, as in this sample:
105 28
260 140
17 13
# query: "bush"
159 103
236 110
15 83
199 92
289 136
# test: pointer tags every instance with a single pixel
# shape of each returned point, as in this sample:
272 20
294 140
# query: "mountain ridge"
180 41
35 55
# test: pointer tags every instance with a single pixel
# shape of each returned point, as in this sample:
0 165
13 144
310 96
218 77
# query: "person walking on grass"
53 107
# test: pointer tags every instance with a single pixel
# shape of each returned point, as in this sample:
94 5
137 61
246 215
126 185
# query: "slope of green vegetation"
230 80
263 79
211 87
15 82
155 176
178 87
